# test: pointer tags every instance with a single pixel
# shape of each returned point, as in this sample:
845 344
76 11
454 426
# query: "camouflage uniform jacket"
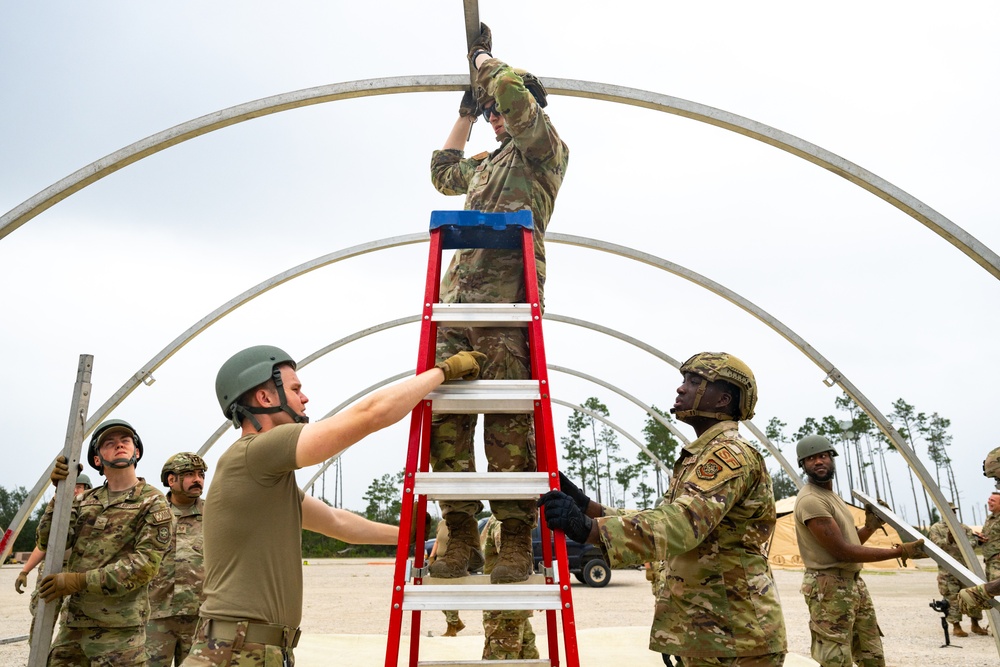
176 590
713 531
118 539
524 173
941 536
991 547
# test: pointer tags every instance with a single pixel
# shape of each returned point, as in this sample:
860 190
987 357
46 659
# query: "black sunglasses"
491 111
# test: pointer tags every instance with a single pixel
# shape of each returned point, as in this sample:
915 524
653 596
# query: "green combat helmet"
178 464
95 445
712 366
991 466
246 370
813 444
85 481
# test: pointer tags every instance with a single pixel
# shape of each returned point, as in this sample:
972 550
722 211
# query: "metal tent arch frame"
913 207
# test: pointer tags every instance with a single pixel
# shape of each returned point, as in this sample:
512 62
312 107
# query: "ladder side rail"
547 460
415 459
402 543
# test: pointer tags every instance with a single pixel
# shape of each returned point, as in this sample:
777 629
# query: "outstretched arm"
343 525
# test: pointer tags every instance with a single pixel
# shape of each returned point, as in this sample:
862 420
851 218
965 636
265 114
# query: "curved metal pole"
833 375
863 178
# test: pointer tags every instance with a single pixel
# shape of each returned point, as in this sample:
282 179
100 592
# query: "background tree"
384 501
10 503
582 452
908 422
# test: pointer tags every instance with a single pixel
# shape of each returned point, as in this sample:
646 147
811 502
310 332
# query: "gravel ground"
351 596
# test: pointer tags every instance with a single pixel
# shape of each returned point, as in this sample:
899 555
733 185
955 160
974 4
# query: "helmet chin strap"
119 463
695 412
240 412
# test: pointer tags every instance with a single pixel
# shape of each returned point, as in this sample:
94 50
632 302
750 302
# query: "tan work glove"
482 43
21 582
872 520
912 550
61 470
464 365
55 586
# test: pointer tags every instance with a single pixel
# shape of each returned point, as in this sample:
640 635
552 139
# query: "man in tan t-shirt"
255 512
842 619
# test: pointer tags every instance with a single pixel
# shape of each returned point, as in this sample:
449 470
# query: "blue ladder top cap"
476 229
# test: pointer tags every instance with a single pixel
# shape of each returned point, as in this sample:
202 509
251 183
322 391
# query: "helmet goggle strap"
695 412
240 412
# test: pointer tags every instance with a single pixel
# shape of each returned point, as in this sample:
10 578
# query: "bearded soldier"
842 619
718 604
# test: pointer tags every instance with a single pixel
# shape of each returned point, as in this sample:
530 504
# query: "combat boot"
978 629
514 561
454 629
464 554
957 631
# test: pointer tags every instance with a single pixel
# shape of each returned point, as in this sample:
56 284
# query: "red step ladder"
550 590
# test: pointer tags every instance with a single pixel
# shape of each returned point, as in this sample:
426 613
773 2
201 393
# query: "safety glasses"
491 111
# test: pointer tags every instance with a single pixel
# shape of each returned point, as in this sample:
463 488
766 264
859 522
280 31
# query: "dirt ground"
351 597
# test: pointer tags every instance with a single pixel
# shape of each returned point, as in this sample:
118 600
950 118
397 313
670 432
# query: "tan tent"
785 548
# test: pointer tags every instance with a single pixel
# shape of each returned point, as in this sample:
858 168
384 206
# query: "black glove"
561 513
482 43
570 489
469 105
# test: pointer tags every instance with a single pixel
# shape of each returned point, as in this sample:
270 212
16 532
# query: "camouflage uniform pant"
509 439
207 652
509 636
168 640
766 660
949 586
842 620
99 647
451 616
992 569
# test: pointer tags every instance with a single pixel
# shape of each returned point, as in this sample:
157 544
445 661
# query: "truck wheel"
596 573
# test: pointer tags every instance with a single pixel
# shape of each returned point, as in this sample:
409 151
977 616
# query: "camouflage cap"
182 463
715 366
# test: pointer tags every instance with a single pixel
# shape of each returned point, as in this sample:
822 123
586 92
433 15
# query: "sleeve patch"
163 535
708 470
727 457
162 516
480 156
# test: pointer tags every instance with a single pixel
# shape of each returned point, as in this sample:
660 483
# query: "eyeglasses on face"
491 111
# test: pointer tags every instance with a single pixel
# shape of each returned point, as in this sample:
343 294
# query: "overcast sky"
906 90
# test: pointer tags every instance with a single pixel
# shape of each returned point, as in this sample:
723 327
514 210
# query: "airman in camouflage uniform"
509 635
175 594
949 585
117 537
842 621
991 537
525 172
719 604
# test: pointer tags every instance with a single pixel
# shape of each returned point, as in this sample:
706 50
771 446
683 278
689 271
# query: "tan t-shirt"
815 502
253 532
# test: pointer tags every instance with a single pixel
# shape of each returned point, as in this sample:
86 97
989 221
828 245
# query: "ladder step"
500 597
481 314
481 580
486 396
481 485
482 663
